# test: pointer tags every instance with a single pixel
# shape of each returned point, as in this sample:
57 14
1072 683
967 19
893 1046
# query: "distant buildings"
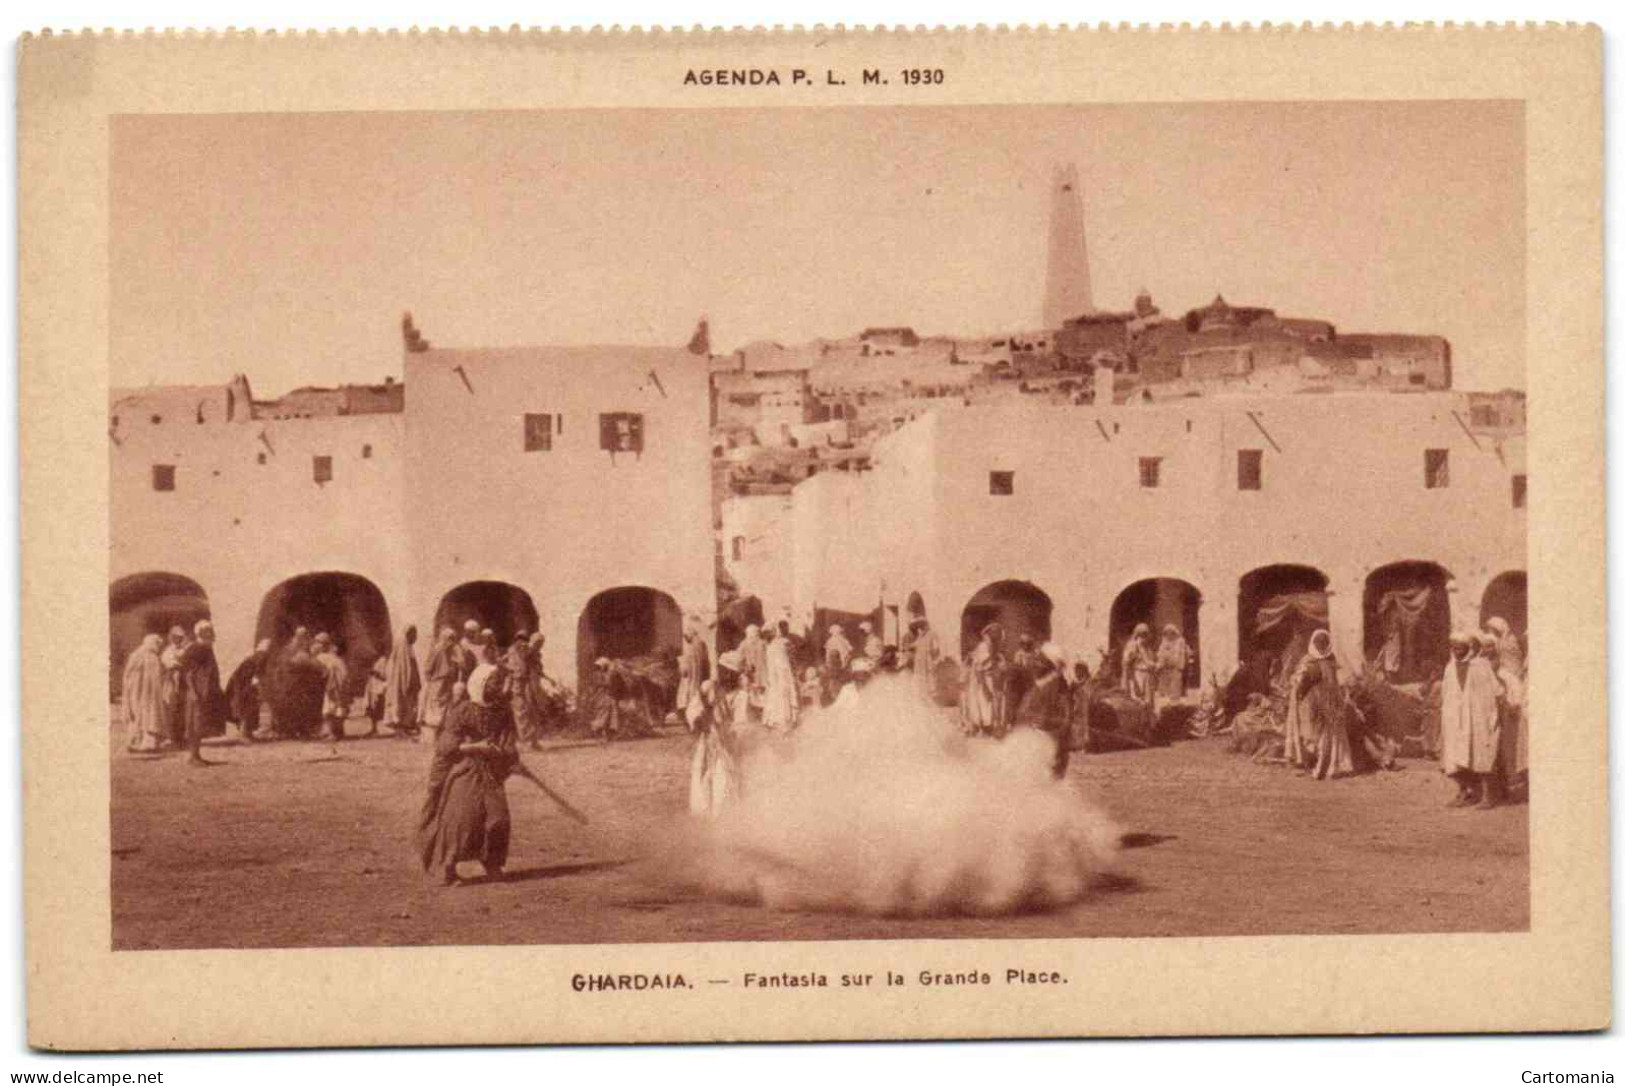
1075 523
1110 468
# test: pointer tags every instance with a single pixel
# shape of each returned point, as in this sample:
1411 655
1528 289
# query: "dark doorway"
629 623
145 603
1278 607
348 608
502 608
1507 597
1020 607
1407 620
915 607
735 619
1159 602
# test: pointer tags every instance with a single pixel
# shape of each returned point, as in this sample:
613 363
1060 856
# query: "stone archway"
1019 606
1406 611
144 603
346 606
1277 608
631 622
1159 602
1507 596
504 609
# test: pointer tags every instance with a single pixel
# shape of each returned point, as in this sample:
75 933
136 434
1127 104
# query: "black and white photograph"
994 522
662 536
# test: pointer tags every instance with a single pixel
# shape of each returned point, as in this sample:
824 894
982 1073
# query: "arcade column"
1345 615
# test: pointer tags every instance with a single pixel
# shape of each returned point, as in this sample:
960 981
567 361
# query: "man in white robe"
143 696
780 699
1469 724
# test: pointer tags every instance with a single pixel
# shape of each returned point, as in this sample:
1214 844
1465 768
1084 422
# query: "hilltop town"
1045 475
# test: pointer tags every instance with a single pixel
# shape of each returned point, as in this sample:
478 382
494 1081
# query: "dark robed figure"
203 702
465 814
243 690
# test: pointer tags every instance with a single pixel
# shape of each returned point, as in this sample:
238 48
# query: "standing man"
200 684
1173 657
520 665
781 700
174 693
979 704
927 654
1487 703
693 668
336 689
403 685
143 700
465 813
1469 724
1139 664
441 675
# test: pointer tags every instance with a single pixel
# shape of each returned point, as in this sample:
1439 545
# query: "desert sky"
286 246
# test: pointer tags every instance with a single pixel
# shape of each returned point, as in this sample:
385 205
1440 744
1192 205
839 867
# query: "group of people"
171 696
1483 731
1155 673
1033 687
533 698
754 696
306 684
1482 736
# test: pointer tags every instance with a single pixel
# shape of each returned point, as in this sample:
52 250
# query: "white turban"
477 681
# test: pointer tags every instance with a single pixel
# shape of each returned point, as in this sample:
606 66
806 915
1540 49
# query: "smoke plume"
883 808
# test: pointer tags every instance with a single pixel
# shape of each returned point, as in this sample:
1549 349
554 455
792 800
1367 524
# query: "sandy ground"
293 844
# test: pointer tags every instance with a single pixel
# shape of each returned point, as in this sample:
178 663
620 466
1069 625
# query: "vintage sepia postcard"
814 534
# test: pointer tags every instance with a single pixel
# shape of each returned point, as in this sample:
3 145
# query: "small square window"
322 469
1436 469
163 477
1485 415
620 431
1520 491
1151 472
260 458
366 452
1249 469
1002 483
538 433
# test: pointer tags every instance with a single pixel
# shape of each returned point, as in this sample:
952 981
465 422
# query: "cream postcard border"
83 995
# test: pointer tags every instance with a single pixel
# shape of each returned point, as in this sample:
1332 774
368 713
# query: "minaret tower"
1066 286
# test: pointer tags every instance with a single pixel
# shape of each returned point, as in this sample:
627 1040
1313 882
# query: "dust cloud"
882 807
